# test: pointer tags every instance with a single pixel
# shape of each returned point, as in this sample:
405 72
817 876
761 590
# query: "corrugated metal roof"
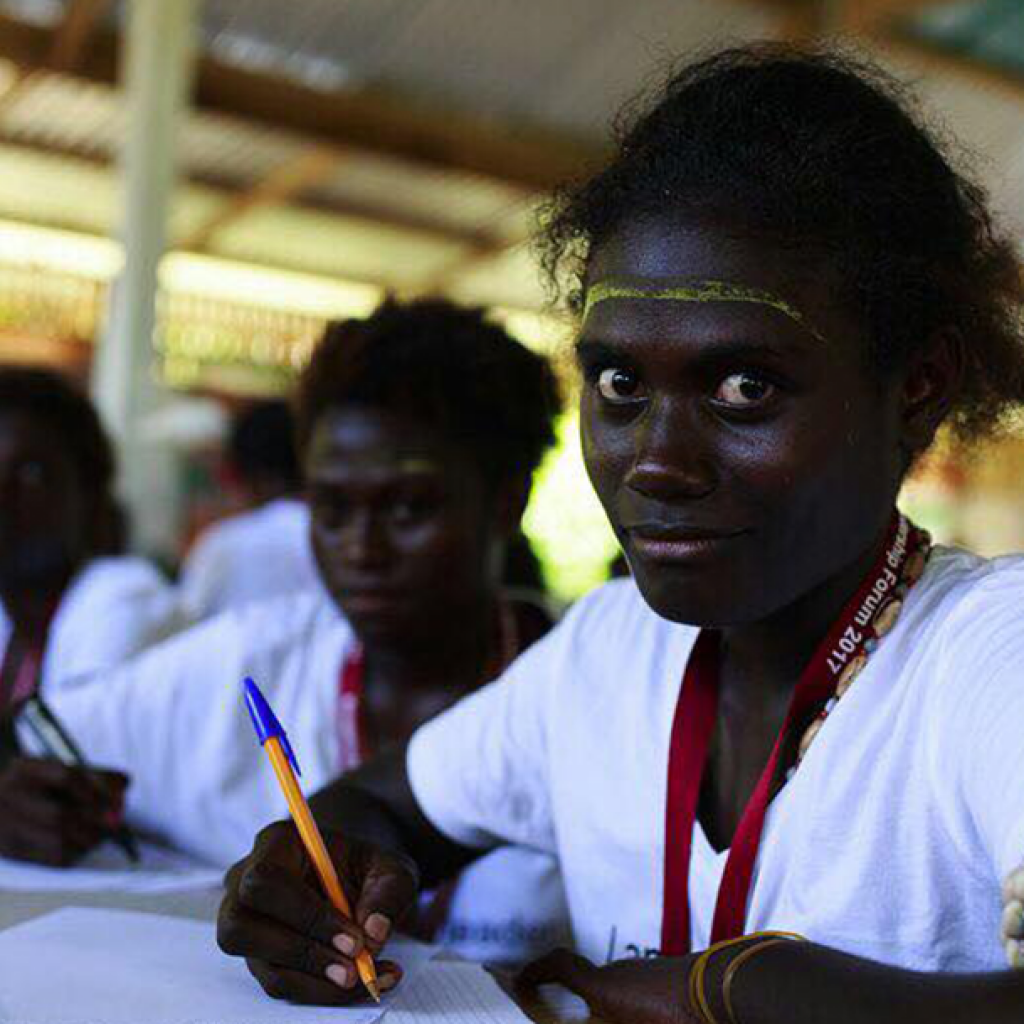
466 203
566 64
563 64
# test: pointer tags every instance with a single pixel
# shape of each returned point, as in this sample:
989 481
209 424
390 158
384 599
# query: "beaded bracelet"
698 997
1012 924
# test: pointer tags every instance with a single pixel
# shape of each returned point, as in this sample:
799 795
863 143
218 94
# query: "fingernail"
341 976
345 943
377 927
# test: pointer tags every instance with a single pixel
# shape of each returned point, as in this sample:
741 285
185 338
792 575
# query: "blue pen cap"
265 721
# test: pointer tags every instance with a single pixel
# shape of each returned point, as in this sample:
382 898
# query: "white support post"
157 68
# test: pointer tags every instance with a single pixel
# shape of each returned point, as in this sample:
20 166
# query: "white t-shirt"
175 720
889 842
113 608
249 557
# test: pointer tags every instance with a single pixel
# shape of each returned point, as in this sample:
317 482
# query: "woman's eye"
618 386
31 474
411 510
328 514
743 390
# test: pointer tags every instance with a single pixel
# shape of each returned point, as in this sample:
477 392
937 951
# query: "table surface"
199 905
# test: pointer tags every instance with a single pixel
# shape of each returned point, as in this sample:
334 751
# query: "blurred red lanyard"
351 719
352 741
21 668
694 725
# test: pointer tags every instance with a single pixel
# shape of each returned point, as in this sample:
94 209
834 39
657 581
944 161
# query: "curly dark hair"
50 397
262 443
462 374
822 153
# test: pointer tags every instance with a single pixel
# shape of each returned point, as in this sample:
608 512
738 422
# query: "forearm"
802 983
375 803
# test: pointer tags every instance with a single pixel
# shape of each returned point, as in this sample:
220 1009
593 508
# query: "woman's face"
46 517
743 453
404 530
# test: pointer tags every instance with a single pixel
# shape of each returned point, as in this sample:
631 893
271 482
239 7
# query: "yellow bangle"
698 997
733 969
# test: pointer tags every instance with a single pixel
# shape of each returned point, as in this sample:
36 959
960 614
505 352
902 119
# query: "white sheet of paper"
108 869
454 993
562 1005
87 966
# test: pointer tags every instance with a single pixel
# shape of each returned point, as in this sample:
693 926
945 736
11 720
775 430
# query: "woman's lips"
369 601
669 544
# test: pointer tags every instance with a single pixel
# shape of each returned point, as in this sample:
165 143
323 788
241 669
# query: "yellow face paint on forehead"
416 465
697 291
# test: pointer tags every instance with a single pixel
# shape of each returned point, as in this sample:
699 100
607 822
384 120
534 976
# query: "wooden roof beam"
803 20
286 183
473 240
491 244
366 119
72 37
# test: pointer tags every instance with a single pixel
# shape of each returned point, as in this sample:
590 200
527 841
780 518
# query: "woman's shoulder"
973 594
286 619
971 615
609 629
615 609
118 577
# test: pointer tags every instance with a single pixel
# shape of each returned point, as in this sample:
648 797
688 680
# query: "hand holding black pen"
53 810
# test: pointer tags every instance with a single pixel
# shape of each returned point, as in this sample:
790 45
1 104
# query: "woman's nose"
671 458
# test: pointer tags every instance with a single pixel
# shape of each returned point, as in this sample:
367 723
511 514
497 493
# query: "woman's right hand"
296 945
53 814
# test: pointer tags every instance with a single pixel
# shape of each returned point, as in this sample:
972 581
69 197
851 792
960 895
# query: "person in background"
420 429
68 607
265 550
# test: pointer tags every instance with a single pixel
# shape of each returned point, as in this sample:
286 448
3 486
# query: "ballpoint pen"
282 757
58 744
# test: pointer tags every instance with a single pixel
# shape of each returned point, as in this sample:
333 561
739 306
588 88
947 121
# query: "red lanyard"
694 724
351 719
24 674
24 668
351 725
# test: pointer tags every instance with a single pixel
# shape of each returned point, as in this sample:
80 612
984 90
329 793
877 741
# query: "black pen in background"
54 739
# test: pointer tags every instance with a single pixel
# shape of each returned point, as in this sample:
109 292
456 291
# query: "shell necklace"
881 624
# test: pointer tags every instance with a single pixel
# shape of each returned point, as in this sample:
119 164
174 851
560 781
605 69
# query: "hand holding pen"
54 814
301 938
54 810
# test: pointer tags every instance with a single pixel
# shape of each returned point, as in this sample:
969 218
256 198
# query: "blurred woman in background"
420 429
72 604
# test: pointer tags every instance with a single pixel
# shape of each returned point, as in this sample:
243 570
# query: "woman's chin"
690 602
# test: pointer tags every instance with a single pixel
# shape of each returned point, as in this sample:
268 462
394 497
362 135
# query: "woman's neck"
30 610
763 661
455 655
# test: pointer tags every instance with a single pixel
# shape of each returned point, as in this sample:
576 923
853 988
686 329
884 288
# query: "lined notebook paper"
454 993
89 966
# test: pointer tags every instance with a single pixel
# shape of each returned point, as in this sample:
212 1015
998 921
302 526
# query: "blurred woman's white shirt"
175 721
113 609
249 557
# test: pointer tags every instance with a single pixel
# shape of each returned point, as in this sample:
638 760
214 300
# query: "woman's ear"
931 383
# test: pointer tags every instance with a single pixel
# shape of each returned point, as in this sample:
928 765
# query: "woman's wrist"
714 975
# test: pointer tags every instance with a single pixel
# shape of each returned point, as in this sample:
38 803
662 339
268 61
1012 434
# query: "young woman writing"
801 717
